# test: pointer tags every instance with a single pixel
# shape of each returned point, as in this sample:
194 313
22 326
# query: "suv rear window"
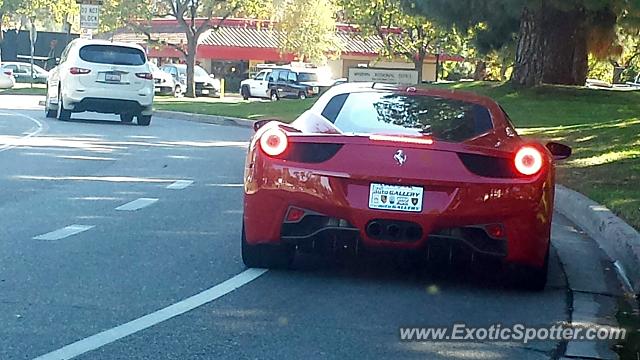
399 114
112 54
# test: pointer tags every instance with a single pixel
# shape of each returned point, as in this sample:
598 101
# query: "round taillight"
274 142
528 161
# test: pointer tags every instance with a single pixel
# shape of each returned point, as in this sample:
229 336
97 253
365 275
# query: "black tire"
126 118
530 278
144 120
47 111
62 113
273 95
245 92
302 95
266 256
177 91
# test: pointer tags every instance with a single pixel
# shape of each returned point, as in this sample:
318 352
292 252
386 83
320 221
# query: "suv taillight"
79 71
146 76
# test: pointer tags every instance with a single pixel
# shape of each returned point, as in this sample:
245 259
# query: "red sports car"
379 167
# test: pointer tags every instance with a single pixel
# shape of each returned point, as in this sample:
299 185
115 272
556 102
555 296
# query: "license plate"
205 92
395 198
112 77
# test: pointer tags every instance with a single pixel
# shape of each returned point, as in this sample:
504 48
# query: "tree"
194 18
412 37
553 35
35 9
307 28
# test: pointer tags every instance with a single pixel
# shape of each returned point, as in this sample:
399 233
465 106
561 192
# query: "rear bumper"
524 210
112 101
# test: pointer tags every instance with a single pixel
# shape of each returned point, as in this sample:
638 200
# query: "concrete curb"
616 238
208 119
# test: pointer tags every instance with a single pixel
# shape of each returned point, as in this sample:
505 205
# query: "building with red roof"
238 46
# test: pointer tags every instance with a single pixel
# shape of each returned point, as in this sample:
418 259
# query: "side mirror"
260 123
559 151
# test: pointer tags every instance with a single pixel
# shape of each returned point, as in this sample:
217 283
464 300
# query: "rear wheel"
63 114
144 120
266 256
126 118
530 277
246 94
302 95
177 91
274 95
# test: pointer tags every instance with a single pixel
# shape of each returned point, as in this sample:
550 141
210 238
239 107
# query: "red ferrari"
378 167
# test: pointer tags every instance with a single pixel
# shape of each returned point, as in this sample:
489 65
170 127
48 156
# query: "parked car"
281 82
101 76
206 84
444 170
22 72
6 80
164 83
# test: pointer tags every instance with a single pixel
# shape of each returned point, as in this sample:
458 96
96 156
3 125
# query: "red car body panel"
454 196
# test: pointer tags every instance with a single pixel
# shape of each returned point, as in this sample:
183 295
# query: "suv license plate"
112 77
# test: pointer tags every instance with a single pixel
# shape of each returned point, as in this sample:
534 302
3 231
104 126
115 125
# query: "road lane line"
39 128
108 336
136 204
65 232
180 184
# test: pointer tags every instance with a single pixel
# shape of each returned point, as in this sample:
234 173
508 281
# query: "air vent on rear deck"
310 152
488 166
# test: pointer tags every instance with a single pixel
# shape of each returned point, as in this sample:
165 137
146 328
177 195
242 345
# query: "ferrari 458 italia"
392 168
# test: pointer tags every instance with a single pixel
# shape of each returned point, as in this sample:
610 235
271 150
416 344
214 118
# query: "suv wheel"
302 95
177 91
126 118
144 120
245 92
274 95
63 114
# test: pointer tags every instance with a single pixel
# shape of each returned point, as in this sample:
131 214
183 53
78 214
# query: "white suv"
101 76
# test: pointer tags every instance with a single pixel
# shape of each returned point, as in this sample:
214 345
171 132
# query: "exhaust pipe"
374 229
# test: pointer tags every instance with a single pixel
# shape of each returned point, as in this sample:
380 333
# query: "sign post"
33 37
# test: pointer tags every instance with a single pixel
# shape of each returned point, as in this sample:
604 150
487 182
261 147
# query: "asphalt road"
73 266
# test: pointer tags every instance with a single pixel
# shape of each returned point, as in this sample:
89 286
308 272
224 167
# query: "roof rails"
383 86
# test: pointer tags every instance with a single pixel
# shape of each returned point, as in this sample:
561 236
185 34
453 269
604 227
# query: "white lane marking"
108 336
180 184
64 232
136 204
39 128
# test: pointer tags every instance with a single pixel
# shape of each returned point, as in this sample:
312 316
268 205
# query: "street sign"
86 34
89 16
388 76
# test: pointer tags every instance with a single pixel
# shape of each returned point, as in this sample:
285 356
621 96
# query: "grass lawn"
24 91
284 110
603 127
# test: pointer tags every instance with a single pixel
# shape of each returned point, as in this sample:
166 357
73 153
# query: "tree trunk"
192 48
565 47
480 72
418 62
528 68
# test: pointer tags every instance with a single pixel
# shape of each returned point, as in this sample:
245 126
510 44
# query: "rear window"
399 114
307 77
111 54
